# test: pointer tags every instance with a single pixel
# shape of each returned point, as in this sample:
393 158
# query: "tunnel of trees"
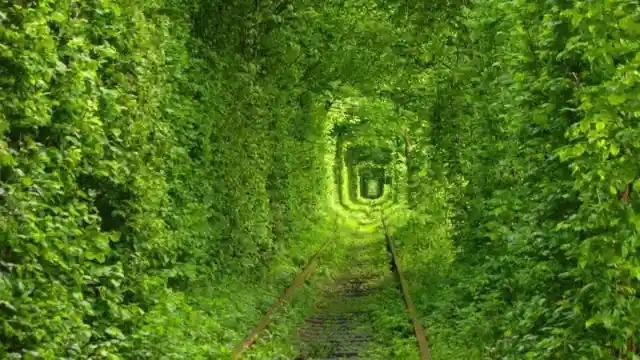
167 166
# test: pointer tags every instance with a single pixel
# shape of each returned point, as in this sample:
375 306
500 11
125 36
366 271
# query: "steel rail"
420 333
298 282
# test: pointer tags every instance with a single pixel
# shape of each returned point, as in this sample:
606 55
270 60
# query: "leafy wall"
140 157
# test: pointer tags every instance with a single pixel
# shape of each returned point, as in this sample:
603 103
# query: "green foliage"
139 163
154 152
517 123
534 148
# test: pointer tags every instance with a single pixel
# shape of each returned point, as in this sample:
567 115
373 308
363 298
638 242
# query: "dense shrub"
136 160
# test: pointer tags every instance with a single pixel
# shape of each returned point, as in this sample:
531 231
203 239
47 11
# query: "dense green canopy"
167 165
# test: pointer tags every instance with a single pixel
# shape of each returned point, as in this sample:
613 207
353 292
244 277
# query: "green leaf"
6 159
617 99
614 149
7 306
114 332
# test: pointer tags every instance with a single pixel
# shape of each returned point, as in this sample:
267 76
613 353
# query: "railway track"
342 325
